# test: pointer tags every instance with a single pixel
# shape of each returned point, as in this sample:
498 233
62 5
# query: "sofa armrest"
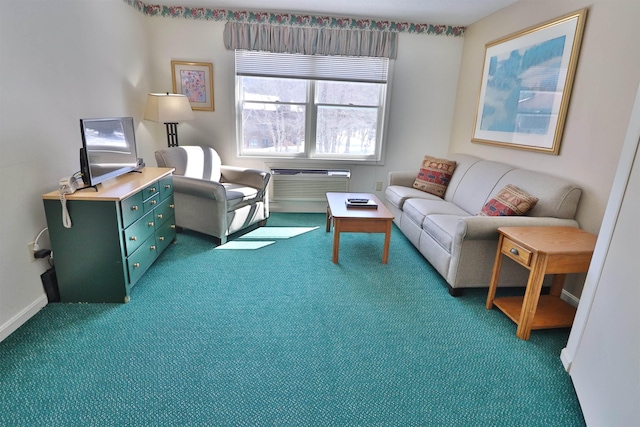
250 177
404 178
486 227
199 188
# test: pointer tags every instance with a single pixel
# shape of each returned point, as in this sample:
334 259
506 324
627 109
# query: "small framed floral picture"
195 80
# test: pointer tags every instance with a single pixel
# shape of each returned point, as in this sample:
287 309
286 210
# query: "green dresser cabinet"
117 232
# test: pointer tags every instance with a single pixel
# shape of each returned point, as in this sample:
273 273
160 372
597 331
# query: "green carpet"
281 336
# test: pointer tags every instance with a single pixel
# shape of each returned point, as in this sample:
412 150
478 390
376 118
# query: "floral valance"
291 19
310 41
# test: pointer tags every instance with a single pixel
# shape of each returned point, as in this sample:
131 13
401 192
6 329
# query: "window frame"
312 105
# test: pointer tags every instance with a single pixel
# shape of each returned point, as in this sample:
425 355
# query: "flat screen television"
108 149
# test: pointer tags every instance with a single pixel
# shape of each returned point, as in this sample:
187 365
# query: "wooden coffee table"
357 220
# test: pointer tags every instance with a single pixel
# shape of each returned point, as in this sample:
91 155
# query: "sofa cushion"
557 198
418 209
478 185
509 201
434 175
442 228
239 195
398 194
463 163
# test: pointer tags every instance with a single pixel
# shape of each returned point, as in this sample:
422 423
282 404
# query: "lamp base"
172 134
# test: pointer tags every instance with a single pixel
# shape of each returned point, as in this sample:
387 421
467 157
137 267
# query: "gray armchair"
212 198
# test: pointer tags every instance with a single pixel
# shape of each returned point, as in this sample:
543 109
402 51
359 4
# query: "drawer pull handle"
153 202
514 251
173 226
134 208
136 265
168 186
153 189
133 238
161 238
152 247
150 223
159 216
172 206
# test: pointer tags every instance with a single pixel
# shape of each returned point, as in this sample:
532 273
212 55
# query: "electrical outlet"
32 251
379 186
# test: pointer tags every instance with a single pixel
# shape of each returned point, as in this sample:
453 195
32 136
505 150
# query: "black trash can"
50 284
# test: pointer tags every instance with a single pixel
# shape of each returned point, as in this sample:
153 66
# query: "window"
309 106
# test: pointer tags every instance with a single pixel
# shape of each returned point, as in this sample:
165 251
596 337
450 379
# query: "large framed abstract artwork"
526 85
195 80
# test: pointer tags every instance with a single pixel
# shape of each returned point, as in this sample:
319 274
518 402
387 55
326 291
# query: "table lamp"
170 109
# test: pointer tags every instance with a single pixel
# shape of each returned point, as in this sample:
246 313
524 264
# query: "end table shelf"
551 312
542 250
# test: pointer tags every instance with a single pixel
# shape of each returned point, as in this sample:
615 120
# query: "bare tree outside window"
273 115
346 117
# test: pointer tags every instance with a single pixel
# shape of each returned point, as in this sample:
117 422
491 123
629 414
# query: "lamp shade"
168 108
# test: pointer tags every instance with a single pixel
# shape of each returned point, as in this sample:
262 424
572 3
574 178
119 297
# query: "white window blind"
312 67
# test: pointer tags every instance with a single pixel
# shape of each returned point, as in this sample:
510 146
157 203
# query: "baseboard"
569 298
566 359
21 318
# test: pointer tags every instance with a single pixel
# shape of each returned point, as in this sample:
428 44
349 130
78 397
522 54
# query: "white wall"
604 88
60 61
421 108
603 350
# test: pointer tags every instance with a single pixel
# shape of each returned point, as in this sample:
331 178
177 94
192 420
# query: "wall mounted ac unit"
307 185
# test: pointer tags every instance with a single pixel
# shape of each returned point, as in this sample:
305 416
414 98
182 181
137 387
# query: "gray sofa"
457 242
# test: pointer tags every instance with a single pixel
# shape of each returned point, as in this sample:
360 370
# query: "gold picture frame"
526 85
195 80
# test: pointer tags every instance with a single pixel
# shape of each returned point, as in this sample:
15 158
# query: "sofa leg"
263 223
455 292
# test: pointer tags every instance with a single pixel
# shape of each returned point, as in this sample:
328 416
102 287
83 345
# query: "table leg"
336 240
328 218
495 275
387 241
531 296
557 283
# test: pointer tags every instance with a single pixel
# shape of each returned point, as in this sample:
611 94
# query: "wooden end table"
542 250
357 220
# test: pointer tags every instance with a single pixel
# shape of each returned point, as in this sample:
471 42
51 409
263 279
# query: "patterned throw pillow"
509 201
434 175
